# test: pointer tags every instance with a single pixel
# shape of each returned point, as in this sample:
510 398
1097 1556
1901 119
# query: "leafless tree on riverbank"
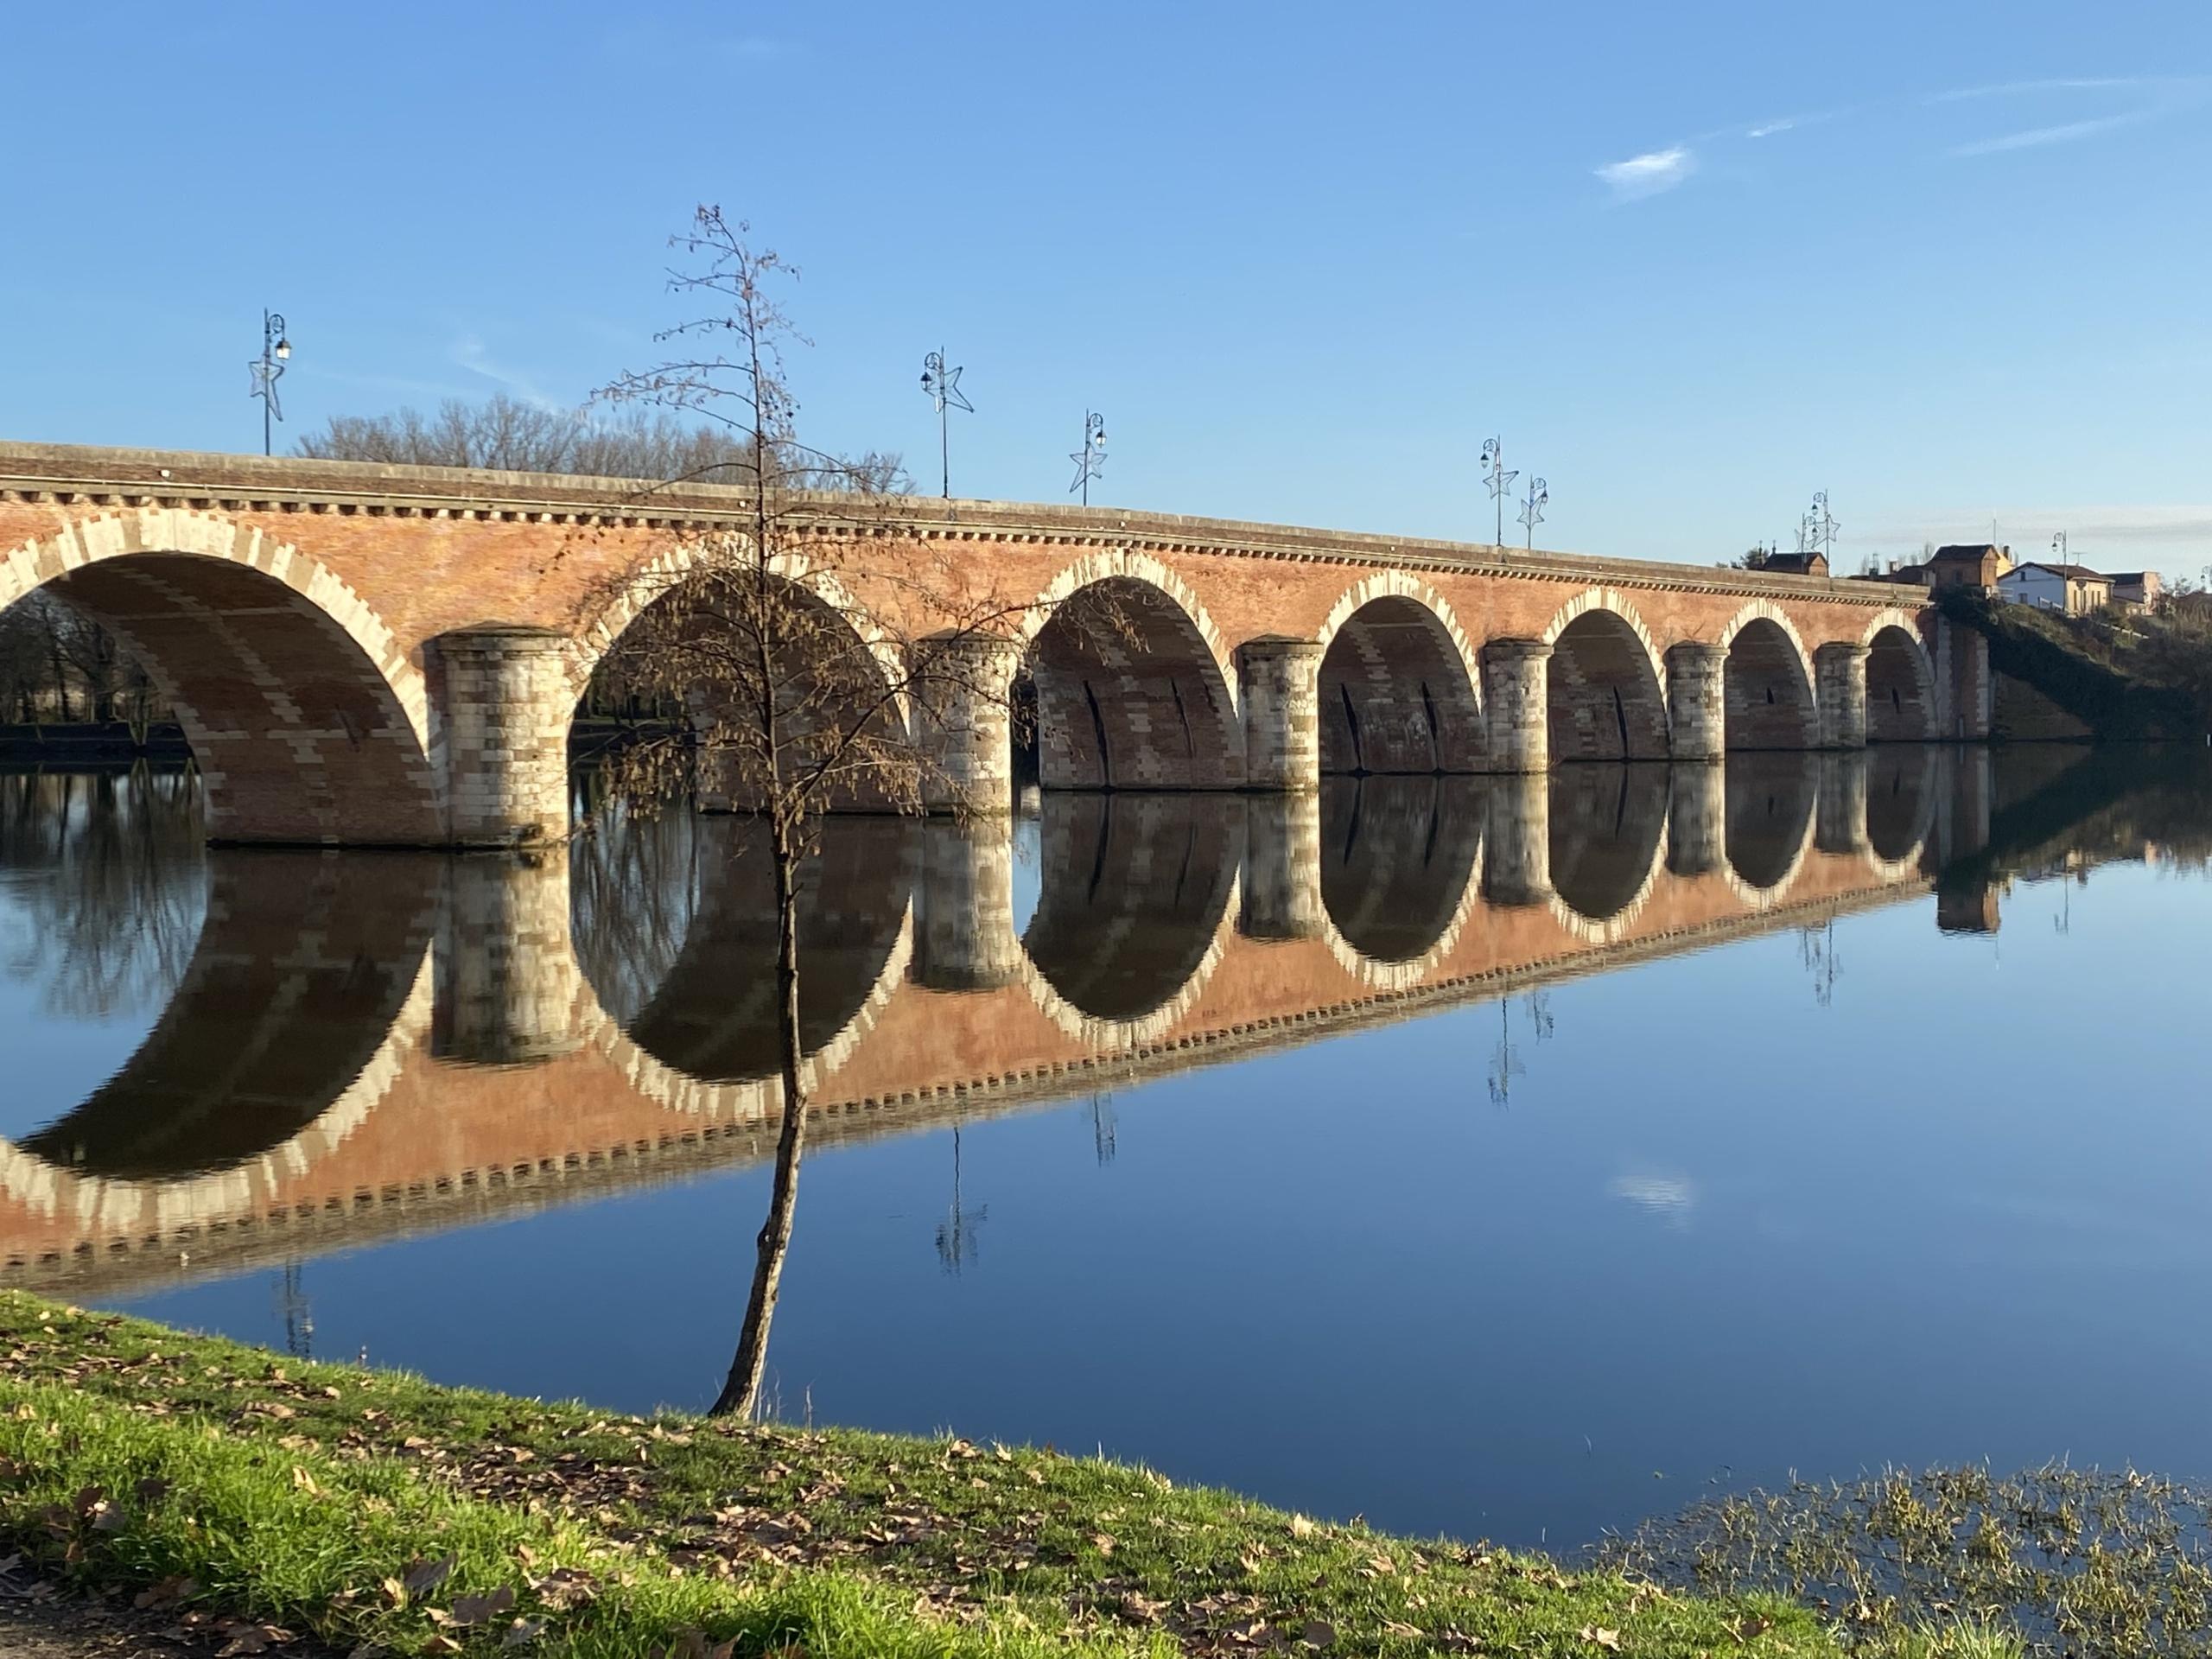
817 672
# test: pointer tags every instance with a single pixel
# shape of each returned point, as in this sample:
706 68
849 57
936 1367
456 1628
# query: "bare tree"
817 672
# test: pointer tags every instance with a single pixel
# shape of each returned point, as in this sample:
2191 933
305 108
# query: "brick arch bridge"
378 655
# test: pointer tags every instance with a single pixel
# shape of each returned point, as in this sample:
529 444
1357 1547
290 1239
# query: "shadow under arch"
1135 893
309 725
1901 794
838 680
306 969
1608 839
1771 802
1767 687
1131 693
1399 690
674 919
1603 698
1399 858
1900 686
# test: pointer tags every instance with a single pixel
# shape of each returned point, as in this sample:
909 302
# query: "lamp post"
1091 460
2065 581
267 369
1499 479
1532 510
943 386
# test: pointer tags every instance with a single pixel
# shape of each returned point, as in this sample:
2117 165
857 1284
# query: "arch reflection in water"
1770 805
1607 826
1398 861
1135 891
303 966
675 924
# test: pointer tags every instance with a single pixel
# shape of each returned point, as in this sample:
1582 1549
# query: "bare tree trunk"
740 1394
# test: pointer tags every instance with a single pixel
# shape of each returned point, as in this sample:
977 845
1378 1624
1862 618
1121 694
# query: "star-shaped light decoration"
1532 510
1494 459
264 385
943 384
1091 460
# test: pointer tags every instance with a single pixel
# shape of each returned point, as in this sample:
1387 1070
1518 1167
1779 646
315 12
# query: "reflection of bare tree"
103 886
635 895
956 1244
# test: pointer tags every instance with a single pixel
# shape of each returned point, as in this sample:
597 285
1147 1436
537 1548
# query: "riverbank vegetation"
354 1507
2128 674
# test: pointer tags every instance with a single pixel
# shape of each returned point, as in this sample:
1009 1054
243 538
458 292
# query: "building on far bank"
2138 590
1793 564
1956 565
2070 589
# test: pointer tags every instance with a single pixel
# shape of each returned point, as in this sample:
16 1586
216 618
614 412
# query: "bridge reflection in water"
363 1043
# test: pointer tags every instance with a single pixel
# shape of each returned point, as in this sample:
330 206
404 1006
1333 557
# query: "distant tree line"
58 667
505 434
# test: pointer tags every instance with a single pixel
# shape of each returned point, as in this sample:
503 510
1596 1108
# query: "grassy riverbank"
354 1506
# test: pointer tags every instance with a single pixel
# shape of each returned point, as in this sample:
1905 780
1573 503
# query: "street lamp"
267 369
1499 479
1532 510
1091 460
943 386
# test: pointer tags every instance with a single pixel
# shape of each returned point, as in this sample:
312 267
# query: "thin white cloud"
2015 88
2065 133
1649 174
469 352
1768 128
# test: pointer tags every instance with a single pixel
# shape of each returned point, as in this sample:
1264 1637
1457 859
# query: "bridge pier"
1697 818
1839 812
1697 700
963 938
505 976
1965 690
501 704
1517 850
965 725
1281 887
1840 672
1279 682
1516 687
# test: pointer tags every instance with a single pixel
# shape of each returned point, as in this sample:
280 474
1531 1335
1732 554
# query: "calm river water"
1502 1159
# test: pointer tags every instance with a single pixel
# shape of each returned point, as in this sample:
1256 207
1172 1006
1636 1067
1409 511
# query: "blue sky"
1693 263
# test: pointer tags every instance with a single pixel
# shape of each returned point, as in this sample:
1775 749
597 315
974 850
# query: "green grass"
136 1456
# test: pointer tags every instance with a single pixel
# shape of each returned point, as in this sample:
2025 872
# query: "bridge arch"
1605 695
1400 683
840 668
309 721
1135 686
1767 682
1900 681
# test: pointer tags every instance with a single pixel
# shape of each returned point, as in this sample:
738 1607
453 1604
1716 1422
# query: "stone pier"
1697 819
501 699
1840 692
964 938
1697 700
1279 688
1516 686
